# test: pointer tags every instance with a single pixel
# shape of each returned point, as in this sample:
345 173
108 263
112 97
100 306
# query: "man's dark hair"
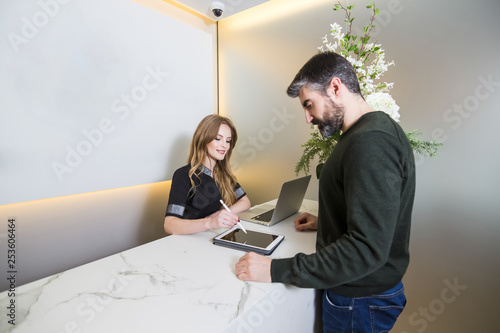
318 72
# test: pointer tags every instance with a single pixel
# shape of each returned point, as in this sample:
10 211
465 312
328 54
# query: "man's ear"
334 87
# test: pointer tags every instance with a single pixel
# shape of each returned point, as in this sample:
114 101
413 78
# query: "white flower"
335 28
370 47
354 62
384 102
369 67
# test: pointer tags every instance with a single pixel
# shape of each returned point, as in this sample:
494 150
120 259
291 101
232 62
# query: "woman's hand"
223 219
306 221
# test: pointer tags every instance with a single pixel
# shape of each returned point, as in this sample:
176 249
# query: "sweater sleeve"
372 178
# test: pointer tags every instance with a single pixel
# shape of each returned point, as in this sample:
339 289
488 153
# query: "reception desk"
175 284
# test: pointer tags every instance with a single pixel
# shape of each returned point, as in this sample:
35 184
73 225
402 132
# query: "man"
366 192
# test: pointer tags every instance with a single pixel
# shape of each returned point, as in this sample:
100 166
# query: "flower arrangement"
368 60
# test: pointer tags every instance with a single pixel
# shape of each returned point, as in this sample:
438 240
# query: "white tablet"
259 242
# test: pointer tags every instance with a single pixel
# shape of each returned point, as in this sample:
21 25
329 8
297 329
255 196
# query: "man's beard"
332 121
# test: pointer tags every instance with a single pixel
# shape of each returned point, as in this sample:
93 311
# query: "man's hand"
254 267
306 221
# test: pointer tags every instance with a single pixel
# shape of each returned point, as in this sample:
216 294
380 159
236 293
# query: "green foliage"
316 146
348 42
368 60
427 148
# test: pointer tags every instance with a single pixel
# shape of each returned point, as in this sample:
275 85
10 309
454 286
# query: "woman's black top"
184 204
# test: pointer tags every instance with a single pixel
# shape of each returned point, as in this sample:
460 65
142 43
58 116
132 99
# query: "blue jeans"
375 314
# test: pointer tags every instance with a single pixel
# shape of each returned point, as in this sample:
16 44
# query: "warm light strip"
268 11
125 188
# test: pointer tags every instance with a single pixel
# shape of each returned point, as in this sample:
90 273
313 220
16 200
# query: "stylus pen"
227 208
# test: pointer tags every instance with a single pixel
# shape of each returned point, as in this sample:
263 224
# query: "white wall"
90 93
53 235
445 52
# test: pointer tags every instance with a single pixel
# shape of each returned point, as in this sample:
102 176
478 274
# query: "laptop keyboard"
265 217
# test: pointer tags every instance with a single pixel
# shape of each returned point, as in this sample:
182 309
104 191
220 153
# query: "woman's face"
219 146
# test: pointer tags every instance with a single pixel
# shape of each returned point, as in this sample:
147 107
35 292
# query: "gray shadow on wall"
178 155
151 226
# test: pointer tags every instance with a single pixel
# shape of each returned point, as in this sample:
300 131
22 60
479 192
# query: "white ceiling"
231 6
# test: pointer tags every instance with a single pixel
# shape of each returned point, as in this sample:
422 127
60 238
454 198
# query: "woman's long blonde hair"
224 178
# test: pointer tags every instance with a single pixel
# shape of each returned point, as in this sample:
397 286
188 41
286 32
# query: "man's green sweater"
366 192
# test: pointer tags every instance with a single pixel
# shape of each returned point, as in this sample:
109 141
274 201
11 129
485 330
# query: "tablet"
259 242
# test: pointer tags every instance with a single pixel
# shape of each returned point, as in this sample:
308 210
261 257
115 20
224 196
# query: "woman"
197 188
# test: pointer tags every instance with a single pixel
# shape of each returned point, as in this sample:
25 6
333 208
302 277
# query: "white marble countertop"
174 284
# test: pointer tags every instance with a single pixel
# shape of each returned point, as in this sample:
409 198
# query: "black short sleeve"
204 201
179 193
238 190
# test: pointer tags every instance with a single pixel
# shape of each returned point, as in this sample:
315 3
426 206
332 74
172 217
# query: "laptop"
291 195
